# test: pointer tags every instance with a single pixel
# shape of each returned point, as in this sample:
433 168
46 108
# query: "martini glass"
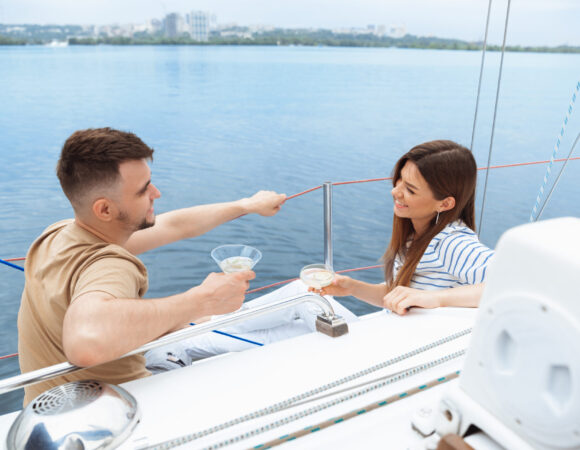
236 257
317 276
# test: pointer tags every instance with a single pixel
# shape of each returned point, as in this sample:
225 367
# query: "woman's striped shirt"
454 257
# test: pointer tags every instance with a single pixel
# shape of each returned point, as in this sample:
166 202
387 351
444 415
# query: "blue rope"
234 337
14 266
533 217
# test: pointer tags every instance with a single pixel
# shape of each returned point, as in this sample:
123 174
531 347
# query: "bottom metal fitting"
331 326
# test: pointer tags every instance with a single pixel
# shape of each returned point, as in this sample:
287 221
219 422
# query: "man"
82 295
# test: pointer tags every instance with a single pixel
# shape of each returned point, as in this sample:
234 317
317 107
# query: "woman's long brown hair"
450 171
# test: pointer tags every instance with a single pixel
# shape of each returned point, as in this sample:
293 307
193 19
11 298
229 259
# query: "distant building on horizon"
173 25
154 26
397 31
199 24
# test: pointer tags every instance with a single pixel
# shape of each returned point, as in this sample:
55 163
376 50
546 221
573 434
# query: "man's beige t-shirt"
63 263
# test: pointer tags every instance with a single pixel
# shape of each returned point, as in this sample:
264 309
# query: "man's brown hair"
90 159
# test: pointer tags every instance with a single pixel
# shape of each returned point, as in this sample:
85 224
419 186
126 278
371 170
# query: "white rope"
276 407
558 177
533 216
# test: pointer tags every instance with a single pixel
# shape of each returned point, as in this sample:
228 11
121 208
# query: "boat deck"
213 391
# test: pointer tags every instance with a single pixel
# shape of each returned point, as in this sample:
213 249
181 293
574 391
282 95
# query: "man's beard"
123 217
146 224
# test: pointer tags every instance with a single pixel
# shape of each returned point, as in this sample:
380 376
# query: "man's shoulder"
56 227
66 243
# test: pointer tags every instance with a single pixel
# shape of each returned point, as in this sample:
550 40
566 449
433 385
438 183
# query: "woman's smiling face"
413 198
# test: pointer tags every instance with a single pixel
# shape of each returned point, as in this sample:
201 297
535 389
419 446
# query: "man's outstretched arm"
99 327
194 221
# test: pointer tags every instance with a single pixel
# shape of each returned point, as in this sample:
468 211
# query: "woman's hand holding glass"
341 286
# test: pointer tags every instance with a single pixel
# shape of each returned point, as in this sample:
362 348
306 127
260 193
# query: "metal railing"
47 373
327 192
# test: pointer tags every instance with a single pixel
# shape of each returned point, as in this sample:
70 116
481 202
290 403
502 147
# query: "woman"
434 257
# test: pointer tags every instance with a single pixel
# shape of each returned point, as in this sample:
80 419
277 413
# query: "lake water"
228 121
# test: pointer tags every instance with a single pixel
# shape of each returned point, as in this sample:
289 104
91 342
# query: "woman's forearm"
466 296
369 292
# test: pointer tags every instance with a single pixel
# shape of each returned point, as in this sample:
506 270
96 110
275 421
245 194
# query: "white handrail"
47 373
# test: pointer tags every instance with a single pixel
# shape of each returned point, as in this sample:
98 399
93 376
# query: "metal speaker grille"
68 397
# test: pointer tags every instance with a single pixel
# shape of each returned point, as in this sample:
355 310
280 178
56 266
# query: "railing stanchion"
327 189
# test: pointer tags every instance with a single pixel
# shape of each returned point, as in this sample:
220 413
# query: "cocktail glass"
317 276
236 257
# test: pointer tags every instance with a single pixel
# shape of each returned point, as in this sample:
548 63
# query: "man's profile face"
123 216
137 196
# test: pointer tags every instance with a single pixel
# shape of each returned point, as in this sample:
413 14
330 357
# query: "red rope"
360 268
361 181
303 192
340 183
294 279
502 166
271 285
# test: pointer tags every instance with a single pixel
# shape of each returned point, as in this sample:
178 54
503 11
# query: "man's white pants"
271 327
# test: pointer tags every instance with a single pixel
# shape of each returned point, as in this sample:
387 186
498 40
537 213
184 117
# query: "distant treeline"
342 40
5 40
298 37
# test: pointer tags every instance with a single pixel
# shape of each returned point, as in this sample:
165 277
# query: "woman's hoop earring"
437 218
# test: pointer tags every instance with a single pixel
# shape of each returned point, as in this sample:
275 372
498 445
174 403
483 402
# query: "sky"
532 22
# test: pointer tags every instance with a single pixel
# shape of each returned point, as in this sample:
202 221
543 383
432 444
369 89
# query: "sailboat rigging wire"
480 74
294 279
557 179
507 15
556 148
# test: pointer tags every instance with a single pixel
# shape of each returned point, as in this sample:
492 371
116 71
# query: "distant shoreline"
296 38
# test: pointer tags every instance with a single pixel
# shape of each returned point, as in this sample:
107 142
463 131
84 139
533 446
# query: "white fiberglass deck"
216 390
213 391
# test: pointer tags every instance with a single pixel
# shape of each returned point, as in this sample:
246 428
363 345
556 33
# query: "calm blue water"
227 121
